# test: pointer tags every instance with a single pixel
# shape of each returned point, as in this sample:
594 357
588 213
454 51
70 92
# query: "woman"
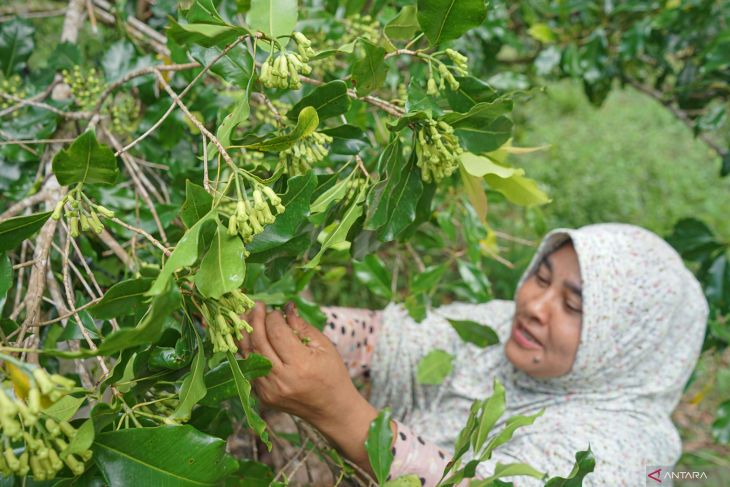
605 330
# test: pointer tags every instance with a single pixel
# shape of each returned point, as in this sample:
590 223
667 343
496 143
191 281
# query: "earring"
535 360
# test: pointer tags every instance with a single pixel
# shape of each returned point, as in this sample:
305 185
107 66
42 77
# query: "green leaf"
518 189
480 166
235 67
392 203
490 411
416 305
330 196
85 161
472 332
193 388
372 272
471 91
14 230
223 267
478 136
339 233
165 456
121 299
204 12
330 100
434 367
149 329
273 17
296 201
207 35
84 438
425 281
368 73
725 165
446 20
220 383
307 123
474 188
243 386
403 26
65 408
693 239
6 276
509 470
512 425
16 45
198 203
721 424
479 114
377 445
184 255
585 463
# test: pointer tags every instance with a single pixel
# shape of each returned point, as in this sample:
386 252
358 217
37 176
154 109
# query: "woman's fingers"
287 346
244 345
259 339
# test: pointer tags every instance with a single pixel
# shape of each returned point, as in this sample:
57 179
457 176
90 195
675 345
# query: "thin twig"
45 106
23 204
70 313
182 94
146 235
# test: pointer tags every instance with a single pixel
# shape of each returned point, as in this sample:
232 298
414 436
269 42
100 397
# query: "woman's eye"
575 309
542 280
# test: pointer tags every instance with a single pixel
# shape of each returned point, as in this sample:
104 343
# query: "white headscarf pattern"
643 324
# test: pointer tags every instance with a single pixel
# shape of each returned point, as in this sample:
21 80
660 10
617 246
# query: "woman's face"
549 307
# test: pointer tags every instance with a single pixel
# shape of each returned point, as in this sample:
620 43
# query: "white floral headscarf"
644 319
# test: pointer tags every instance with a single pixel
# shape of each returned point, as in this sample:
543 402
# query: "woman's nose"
539 307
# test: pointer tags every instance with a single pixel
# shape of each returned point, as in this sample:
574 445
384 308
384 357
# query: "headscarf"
643 324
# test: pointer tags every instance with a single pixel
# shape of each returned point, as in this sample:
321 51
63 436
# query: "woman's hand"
307 378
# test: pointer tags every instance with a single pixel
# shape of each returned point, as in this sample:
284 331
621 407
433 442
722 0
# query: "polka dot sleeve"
354 332
412 455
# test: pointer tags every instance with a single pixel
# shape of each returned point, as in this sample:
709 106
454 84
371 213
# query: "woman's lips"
520 337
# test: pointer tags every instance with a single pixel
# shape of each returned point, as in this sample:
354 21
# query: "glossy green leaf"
585 463
16 45
6 276
445 20
14 230
425 281
479 114
204 12
513 424
417 306
296 200
65 408
121 299
220 383
198 203
273 17
477 136
490 411
193 388
717 282
693 239
207 35
474 189
368 73
307 122
185 254
149 329
392 203
332 195
85 161
471 91
155 456
518 189
330 100
243 387
372 272
223 268
339 233
434 367
377 445
404 25
473 332
234 68
480 166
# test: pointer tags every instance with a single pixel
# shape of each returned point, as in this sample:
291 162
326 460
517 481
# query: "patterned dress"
644 319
